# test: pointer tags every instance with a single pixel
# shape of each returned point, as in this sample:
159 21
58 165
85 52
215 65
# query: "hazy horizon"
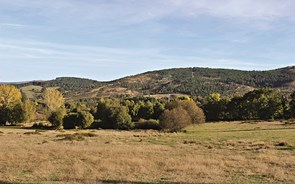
105 40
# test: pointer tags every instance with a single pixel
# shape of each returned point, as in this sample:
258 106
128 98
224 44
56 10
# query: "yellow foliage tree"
29 110
9 96
53 99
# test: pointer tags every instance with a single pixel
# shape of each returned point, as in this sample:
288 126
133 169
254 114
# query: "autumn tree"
9 96
10 104
194 112
29 110
53 99
175 119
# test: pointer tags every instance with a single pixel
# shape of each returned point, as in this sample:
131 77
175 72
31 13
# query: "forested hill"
203 81
191 81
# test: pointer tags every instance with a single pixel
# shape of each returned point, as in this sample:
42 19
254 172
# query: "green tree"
262 104
292 105
235 108
159 108
85 119
121 119
146 111
215 107
114 117
71 120
56 117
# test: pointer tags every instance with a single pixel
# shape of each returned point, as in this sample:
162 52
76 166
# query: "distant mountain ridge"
190 81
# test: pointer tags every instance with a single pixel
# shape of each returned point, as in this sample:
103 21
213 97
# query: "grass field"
31 91
233 152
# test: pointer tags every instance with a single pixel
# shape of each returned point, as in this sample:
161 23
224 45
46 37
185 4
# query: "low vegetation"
229 152
64 142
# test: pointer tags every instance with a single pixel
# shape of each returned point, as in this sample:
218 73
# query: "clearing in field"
209 153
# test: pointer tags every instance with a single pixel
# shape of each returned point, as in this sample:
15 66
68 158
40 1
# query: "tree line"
259 104
169 114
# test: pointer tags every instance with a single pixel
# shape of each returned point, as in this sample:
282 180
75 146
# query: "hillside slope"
203 81
190 81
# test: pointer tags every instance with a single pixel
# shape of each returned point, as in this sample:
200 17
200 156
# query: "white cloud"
30 49
12 25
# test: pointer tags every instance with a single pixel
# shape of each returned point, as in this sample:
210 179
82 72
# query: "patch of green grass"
75 136
236 131
241 178
10 127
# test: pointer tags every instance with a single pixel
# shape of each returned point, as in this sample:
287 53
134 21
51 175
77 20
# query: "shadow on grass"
98 181
134 182
120 181
5 182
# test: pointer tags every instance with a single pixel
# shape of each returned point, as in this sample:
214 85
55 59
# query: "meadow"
227 152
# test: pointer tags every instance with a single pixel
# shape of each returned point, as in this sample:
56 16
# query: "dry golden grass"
209 153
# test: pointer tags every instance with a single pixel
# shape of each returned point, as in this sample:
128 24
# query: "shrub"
147 124
195 112
174 120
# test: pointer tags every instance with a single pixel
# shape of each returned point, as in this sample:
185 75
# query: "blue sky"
109 39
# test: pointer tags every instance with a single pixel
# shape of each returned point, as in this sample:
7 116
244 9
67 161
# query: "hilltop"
189 81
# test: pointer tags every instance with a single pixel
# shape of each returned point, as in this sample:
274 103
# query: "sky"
109 39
